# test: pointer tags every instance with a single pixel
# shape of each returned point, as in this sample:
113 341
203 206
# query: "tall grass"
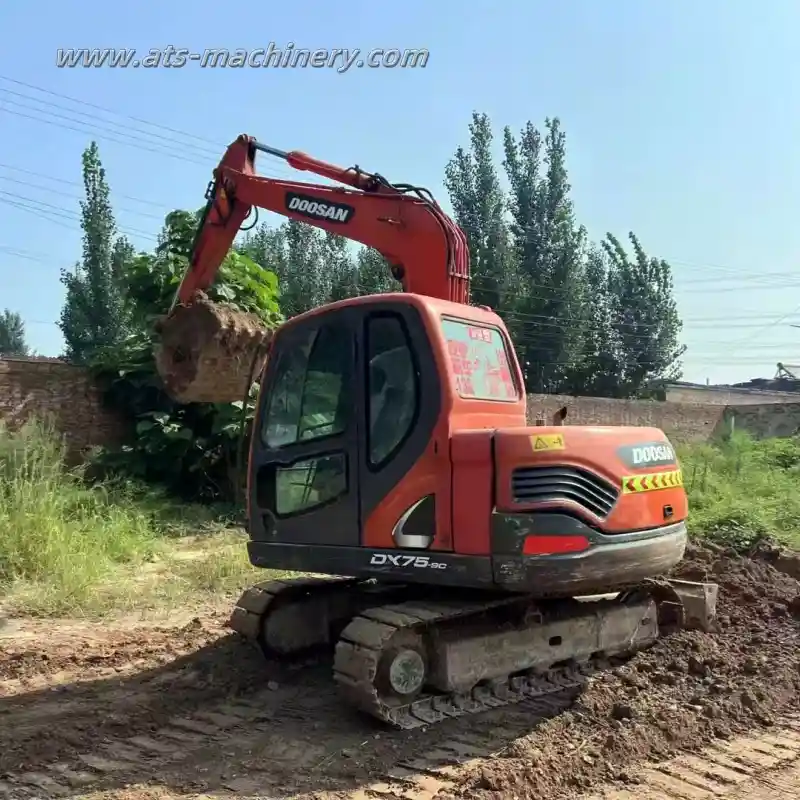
68 546
742 490
60 537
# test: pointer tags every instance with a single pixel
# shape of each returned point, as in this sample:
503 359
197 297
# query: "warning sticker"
548 441
649 483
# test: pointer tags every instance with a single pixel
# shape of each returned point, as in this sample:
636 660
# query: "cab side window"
392 387
312 398
312 392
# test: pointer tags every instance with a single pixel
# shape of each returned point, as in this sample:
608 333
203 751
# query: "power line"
104 109
47 189
55 213
207 141
98 132
764 328
71 183
98 126
126 128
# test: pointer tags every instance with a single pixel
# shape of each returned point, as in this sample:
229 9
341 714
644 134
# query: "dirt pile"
683 693
208 352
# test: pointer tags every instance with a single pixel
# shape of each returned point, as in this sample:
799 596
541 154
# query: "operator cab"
358 403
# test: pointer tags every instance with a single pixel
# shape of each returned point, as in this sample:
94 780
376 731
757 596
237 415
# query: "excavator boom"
210 354
426 249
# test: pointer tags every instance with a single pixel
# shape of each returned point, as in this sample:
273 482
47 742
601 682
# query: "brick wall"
716 395
65 393
765 421
30 387
682 422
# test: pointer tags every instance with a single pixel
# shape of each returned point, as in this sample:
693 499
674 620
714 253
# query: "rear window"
479 360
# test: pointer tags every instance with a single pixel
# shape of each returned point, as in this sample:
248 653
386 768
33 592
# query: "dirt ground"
132 711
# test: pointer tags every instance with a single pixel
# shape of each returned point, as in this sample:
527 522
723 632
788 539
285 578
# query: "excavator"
453 557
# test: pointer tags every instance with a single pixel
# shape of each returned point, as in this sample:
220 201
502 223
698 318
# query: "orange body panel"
473 483
595 449
477 444
433 472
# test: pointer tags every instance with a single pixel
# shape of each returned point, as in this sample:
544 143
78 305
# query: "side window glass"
392 387
310 483
311 394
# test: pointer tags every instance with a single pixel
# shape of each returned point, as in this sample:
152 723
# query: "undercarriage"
413 655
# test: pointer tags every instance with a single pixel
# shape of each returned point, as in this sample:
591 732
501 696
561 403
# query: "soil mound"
209 352
684 692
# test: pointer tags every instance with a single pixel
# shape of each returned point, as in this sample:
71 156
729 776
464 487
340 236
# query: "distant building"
739 394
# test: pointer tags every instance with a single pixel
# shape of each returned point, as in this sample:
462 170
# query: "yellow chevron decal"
650 482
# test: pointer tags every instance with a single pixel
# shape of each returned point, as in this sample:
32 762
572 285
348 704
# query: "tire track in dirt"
749 768
309 740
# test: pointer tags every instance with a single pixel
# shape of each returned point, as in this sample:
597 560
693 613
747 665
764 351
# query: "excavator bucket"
210 352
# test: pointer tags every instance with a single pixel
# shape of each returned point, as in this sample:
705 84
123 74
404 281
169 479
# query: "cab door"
404 471
304 470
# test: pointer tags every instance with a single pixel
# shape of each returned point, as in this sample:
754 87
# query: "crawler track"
363 620
359 651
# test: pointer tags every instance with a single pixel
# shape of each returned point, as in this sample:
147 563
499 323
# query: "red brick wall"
682 422
36 387
65 393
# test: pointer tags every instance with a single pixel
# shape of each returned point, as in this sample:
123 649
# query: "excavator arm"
427 251
210 353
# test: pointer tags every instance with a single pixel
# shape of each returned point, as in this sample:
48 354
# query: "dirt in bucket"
208 352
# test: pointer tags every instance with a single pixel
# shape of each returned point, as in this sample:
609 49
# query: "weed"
61 538
742 490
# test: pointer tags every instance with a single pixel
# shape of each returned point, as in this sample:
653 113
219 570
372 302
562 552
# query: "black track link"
254 604
360 647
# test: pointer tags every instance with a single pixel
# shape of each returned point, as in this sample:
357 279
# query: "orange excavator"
465 559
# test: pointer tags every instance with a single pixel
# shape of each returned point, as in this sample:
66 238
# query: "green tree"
95 315
342 277
479 206
549 247
586 318
177 235
598 369
373 273
266 246
12 335
192 449
304 282
644 317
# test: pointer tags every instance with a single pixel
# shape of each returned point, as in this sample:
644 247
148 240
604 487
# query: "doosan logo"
311 207
648 454
653 454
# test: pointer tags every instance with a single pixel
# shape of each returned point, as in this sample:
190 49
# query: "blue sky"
682 122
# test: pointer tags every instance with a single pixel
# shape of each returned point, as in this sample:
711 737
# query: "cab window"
480 361
311 394
392 387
